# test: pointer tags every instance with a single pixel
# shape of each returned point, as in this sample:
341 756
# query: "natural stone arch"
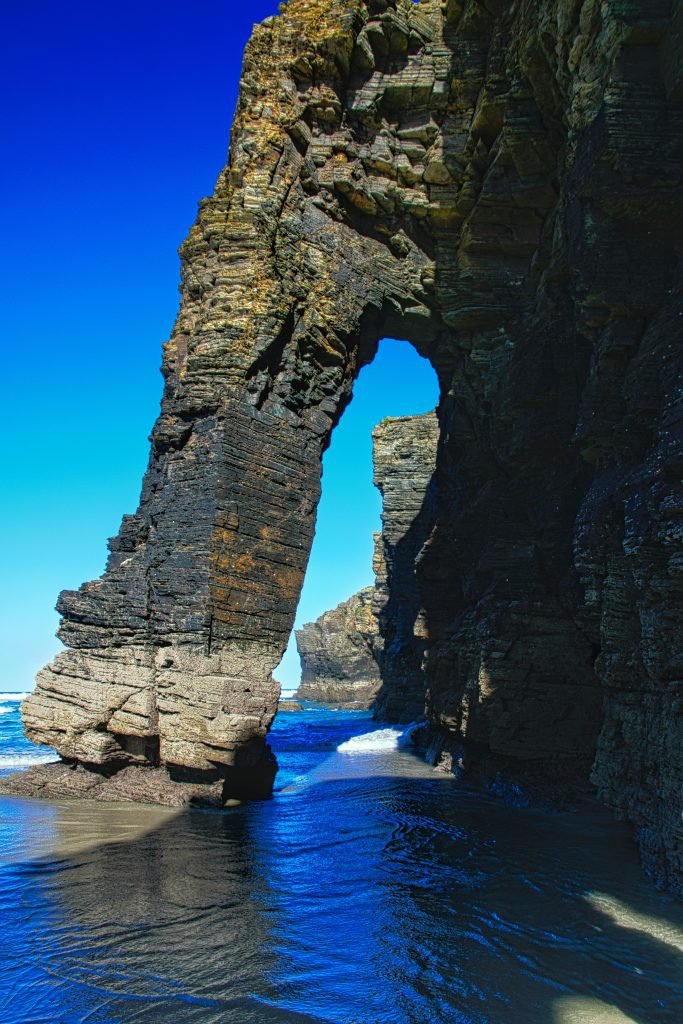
467 176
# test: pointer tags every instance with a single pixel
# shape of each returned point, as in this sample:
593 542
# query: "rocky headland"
338 655
499 183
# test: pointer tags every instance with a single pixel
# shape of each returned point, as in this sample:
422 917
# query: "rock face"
404 451
289 705
365 653
498 182
338 657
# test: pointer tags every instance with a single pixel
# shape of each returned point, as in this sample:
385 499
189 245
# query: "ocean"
369 890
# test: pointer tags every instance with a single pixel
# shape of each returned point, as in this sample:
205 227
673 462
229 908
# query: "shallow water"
370 890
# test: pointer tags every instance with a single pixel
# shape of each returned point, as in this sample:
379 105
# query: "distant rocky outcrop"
338 654
367 652
289 705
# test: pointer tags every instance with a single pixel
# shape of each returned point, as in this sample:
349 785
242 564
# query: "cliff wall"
365 652
405 452
500 183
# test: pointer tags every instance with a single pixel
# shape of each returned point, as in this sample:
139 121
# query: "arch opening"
343 644
427 174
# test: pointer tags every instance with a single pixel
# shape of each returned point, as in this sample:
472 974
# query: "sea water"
369 890
15 749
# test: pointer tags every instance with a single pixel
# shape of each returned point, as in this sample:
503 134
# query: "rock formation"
499 182
289 705
348 652
404 451
338 659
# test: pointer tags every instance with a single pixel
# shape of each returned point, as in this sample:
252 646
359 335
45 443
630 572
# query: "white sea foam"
5 709
14 697
381 739
408 736
25 760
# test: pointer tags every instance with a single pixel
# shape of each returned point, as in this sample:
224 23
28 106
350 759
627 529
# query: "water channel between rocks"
370 890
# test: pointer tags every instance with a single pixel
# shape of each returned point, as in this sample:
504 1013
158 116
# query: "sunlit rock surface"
500 184
338 654
364 653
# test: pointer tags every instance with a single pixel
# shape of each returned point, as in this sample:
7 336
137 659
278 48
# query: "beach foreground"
369 889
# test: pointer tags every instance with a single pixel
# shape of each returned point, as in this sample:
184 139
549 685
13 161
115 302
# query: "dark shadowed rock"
365 653
404 453
499 183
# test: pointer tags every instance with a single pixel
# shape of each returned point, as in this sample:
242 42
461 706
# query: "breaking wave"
391 738
381 739
25 760
410 737
13 698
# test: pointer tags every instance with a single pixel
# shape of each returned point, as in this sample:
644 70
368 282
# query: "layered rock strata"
338 655
404 452
500 183
365 652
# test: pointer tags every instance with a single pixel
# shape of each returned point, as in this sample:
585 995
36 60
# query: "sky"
398 382
116 121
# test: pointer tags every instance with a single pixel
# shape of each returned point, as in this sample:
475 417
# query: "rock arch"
497 182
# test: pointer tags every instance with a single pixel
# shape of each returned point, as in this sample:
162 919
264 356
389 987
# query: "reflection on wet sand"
584 1010
165 927
466 911
388 764
375 893
62 828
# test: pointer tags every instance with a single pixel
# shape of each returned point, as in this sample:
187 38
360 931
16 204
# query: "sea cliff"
499 183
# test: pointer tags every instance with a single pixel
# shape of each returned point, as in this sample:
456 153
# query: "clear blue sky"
397 383
116 121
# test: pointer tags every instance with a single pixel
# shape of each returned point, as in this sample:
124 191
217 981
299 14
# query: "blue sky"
116 124
397 383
